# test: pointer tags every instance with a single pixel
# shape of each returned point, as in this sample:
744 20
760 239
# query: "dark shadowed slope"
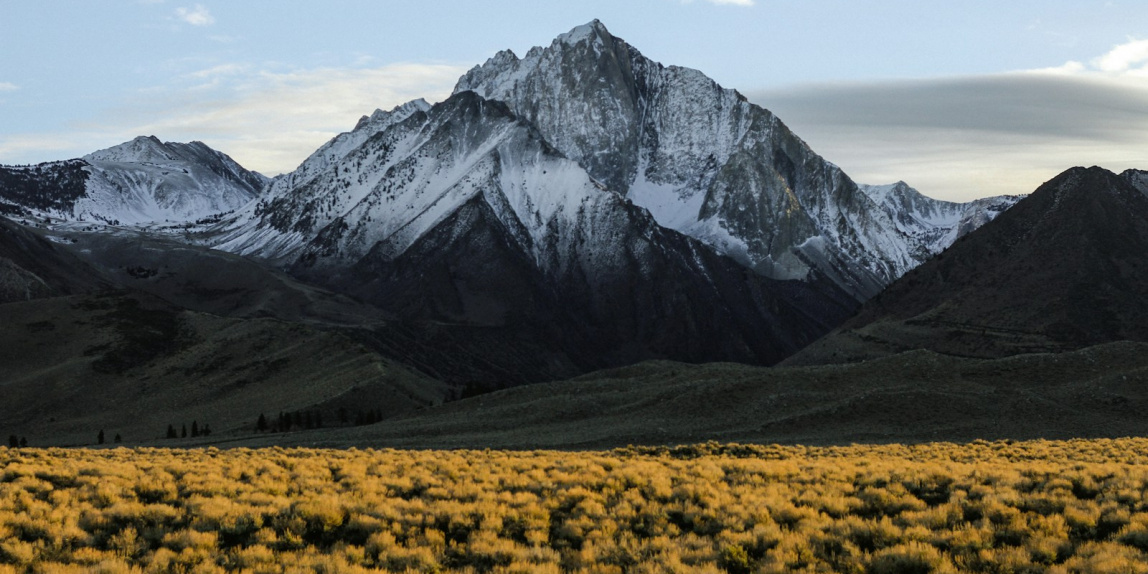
131 364
918 396
1065 268
32 266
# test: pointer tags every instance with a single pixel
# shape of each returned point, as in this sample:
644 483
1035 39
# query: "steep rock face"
1063 269
701 158
465 213
933 225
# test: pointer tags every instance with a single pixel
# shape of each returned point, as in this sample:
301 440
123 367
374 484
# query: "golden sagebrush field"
1076 506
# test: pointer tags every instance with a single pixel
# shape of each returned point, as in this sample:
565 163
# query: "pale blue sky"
888 89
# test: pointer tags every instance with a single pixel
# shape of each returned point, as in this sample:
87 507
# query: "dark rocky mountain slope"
1065 268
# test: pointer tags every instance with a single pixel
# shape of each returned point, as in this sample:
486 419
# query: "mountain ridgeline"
584 204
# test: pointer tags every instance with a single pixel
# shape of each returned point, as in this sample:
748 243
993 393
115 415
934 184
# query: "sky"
960 100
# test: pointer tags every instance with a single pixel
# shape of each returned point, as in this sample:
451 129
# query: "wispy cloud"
8 87
196 16
267 120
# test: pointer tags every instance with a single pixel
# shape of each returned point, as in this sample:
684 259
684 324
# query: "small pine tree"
261 424
118 439
100 437
13 441
206 430
23 441
183 431
194 429
171 432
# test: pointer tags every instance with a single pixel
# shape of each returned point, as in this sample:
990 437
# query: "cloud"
196 16
960 138
270 121
8 87
964 137
1128 58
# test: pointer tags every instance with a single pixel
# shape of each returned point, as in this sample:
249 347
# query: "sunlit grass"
1076 506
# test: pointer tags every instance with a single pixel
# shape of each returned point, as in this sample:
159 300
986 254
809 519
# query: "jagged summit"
380 117
592 30
139 149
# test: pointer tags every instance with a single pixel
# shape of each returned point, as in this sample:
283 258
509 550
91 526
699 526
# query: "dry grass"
1075 506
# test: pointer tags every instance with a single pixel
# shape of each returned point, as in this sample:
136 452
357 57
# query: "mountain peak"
593 29
1083 183
140 149
397 113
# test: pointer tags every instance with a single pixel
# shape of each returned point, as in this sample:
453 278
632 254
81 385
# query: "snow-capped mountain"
146 180
463 212
701 159
932 225
138 182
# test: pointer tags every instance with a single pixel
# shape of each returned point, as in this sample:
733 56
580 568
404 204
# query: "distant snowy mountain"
931 225
146 180
701 159
137 182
